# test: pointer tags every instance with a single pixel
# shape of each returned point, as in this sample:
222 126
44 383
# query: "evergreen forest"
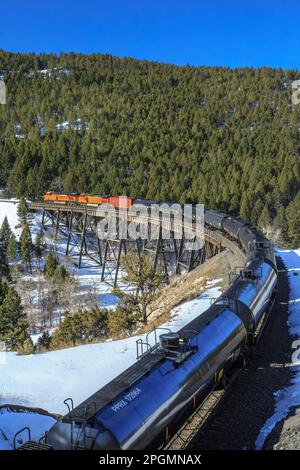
227 138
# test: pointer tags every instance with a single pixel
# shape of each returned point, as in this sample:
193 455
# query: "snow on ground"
13 421
59 72
75 126
45 380
288 397
8 207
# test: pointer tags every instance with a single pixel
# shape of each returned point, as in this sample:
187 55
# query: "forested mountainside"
95 123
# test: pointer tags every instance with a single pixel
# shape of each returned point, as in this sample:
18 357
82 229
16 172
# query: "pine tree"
264 219
44 341
3 289
11 251
26 246
39 243
22 211
60 275
84 326
280 223
5 234
140 274
4 271
117 322
50 265
293 220
97 322
27 347
14 271
70 331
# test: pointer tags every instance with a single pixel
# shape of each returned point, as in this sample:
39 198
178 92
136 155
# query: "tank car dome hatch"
252 274
175 347
169 341
259 245
262 245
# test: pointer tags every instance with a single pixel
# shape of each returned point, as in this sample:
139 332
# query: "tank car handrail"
140 342
146 342
70 408
155 332
26 428
43 438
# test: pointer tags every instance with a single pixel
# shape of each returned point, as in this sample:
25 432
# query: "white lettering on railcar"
127 399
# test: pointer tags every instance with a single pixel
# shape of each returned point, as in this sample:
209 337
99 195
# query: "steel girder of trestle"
80 232
79 229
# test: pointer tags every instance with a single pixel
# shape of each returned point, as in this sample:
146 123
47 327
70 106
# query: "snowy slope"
288 397
45 380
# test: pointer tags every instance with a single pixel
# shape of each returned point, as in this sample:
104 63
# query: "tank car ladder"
82 438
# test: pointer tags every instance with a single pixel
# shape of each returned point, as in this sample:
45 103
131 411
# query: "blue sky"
204 32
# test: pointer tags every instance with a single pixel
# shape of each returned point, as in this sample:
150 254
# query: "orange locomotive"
89 199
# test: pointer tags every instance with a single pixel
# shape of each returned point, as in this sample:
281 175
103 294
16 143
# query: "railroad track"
191 427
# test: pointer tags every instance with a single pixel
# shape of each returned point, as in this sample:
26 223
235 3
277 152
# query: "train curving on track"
145 406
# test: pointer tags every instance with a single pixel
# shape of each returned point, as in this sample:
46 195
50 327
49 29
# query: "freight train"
145 405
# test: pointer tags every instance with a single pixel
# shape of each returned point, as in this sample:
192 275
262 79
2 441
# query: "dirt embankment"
186 287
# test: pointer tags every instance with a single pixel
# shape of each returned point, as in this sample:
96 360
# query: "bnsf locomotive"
145 405
88 199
